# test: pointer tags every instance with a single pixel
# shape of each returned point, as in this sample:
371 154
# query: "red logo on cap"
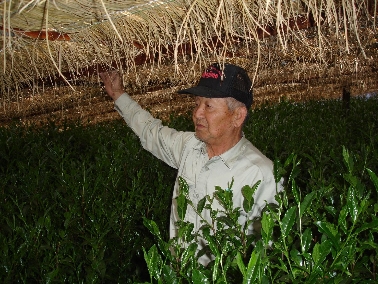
212 72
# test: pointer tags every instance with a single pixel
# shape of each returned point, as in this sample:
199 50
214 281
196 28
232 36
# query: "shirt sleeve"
163 142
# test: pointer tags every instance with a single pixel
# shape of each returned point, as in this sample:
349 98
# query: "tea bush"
295 243
73 198
73 201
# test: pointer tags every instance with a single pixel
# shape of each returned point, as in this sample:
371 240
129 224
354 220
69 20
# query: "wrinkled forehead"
220 104
207 99
214 101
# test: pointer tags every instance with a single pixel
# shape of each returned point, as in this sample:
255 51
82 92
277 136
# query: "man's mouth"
199 126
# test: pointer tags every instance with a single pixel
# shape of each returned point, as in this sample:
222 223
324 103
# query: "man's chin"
199 136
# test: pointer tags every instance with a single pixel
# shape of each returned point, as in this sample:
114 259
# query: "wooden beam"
39 35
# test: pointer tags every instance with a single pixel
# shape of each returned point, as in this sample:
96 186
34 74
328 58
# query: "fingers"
109 76
113 83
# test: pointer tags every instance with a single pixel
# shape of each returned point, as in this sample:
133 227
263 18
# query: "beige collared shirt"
183 151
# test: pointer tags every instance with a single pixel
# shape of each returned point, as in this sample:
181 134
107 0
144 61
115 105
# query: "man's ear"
240 114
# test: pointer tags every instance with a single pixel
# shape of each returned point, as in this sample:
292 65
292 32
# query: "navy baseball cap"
232 81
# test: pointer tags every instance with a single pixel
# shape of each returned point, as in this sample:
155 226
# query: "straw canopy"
286 45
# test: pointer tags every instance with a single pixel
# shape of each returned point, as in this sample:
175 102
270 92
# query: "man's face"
213 121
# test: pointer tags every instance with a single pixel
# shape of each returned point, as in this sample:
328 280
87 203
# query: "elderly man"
217 152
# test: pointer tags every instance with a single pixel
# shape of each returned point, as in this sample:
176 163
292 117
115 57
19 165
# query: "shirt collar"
200 146
230 157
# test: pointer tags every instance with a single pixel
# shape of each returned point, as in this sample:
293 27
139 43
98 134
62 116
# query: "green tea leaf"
182 205
298 272
282 266
51 275
216 269
352 179
153 261
306 203
201 204
199 278
320 252
212 242
295 191
285 199
169 275
288 221
185 231
348 160
371 225
295 171
252 269
188 232
248 192
342 219
265 280
278 170
332 210
307 257
292 157
152 227
296 257
183 186
240 263
374 178
306 240
352 204
267 223
225 220
224 198
188 254
331 232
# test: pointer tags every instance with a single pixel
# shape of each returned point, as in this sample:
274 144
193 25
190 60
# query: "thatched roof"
302 47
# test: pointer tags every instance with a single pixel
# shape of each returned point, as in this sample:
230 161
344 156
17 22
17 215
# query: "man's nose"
198 111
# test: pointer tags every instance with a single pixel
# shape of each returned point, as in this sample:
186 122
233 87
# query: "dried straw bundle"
166 43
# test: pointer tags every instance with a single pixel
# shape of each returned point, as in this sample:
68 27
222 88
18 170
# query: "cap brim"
203 91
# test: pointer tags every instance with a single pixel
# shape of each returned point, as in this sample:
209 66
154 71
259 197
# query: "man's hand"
113 83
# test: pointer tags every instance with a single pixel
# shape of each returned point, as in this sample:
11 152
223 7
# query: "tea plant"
295 245
73 197
73 202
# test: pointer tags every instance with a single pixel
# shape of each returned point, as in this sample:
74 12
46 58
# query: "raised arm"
163 142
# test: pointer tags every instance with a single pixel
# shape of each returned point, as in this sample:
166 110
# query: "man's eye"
208 105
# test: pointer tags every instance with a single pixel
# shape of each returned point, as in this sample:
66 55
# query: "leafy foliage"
73 201
296 246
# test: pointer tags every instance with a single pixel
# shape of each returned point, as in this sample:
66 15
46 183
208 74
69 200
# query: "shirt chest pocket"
190 168
193 172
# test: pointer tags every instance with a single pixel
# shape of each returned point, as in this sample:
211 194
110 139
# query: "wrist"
117 94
